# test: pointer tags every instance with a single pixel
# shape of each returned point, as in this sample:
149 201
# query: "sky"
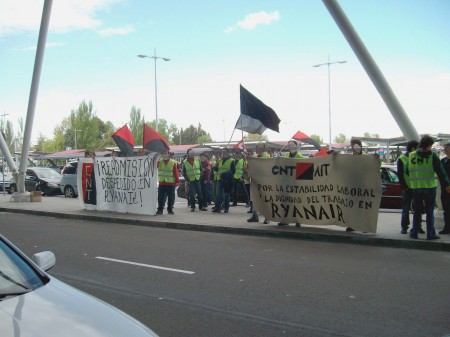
267 46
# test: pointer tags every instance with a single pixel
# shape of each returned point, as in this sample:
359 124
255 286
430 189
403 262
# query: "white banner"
342 190
119 184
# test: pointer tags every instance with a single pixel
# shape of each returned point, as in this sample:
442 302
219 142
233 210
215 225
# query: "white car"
35 304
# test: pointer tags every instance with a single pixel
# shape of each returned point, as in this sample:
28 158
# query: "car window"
70 168
16 276
48 173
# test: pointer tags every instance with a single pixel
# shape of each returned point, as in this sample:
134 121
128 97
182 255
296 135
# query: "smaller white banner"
119 184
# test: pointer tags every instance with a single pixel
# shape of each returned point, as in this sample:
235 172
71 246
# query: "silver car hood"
57 309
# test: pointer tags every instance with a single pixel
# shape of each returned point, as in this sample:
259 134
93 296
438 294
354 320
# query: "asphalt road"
231 285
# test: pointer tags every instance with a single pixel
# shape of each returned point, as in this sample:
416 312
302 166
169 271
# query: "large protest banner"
127 185
342 190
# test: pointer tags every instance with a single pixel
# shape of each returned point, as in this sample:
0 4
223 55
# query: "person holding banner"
260 153
293 150
168 178
192 173
423 167
292 153
223 176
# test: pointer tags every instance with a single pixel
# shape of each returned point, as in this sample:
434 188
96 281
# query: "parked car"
5 183
44 179
33 303
390 198
68 184
392 191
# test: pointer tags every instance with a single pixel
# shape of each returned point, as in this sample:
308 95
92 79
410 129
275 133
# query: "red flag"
239 145
124 140
323 152
302 137
153 141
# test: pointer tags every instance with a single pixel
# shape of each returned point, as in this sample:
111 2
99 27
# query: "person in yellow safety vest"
168 178
423 166
403 178
293 150
192 172
292 153
260 153
223 176
239 178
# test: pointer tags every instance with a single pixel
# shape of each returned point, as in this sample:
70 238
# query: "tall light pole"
154 57
3 157
328 64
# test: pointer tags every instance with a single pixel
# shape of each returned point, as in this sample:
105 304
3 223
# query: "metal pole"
371 68
156 92
328 64
329 102
33 94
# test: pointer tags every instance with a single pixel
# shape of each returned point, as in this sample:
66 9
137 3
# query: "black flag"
255 116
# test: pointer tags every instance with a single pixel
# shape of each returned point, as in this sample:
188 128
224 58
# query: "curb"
346 239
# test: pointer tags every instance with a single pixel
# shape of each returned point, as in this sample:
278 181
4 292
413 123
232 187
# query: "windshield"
16 276
47 173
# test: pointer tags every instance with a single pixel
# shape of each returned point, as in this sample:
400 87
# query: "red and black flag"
302 137
255 116
153 141
124 140
239 145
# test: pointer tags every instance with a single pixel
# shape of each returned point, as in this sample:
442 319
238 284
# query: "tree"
317 138
371 135
341 138
136 125
8 134
163 129
192 134
204 139
255 137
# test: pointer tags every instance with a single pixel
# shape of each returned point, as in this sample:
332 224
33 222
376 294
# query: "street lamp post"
154 57
328 64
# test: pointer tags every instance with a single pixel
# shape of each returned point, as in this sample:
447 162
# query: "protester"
292 153
293 150
402 162
205 178
168 178
223 176
423 166
260 153
192 173
239 178
445 197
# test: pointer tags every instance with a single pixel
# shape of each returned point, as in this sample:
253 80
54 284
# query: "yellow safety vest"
222 168
421 171
165 171
193 172
239 169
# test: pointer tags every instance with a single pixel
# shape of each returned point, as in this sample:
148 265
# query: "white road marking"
146 265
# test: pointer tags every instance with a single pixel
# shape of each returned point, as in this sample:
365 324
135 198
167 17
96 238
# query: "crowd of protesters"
222 179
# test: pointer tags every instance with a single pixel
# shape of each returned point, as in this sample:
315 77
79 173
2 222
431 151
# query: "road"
230 285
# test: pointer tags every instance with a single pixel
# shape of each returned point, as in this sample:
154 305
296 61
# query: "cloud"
48 45
116 31
254 19
21 16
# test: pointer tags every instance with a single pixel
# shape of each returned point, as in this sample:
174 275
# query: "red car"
392 191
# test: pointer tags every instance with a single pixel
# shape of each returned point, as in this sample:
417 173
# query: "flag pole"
228 145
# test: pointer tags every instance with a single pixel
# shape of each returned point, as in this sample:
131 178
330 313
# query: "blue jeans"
407 196
226 196
425 197
194 187
164 192
205 191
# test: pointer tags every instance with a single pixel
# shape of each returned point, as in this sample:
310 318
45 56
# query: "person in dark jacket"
445 197
423 167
